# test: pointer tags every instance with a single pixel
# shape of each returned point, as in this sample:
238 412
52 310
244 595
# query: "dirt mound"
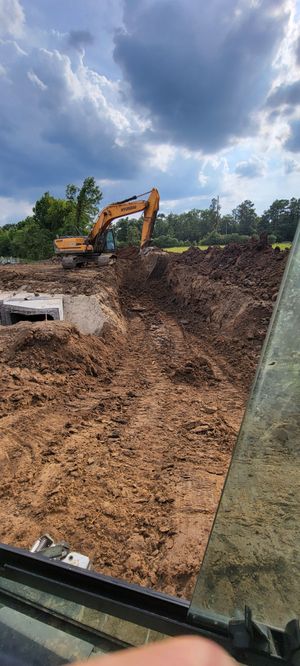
197 371
251 265
53 347
129 252
226 296
191 256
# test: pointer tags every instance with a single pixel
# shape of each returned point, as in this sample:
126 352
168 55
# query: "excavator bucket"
155 262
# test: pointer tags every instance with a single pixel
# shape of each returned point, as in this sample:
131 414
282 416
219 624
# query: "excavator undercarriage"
78 261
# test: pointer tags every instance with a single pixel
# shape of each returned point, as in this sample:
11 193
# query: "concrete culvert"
27 307
17 316
87 313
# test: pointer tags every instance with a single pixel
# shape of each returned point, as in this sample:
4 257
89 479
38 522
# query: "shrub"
214 238
165 241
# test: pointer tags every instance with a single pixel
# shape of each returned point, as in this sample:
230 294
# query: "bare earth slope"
120 444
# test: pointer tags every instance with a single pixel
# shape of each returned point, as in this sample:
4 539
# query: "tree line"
32 238
209 227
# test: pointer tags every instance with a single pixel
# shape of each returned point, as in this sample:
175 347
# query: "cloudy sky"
196 98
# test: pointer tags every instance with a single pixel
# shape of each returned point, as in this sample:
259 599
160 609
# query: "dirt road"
119 444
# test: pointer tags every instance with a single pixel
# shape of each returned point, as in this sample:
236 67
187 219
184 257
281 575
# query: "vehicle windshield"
253 555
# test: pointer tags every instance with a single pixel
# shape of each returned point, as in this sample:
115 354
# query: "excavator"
99 246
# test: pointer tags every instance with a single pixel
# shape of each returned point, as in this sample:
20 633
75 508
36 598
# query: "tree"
133 234
281 219
33 237
274 219
215 213
55 215
41 209
161 225
121 230
206 222
86 200
227 224
31 241
294 217
5 244
245 218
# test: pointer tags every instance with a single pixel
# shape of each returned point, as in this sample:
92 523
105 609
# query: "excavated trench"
118 423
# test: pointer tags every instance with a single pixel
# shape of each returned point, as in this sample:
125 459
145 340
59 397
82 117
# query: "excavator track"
71 261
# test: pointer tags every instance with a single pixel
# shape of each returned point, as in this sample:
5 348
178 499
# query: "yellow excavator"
99 246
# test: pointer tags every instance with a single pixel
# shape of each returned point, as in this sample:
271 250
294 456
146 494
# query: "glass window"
28 633
110 241
253 555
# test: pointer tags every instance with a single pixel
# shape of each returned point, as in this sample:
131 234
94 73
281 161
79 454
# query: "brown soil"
120 444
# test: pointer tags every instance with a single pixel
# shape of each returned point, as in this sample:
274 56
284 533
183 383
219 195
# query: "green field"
182 249
283 246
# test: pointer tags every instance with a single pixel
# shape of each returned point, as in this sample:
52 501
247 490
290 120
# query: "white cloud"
202 178
291 166
254 167
161 156
63 119
184 203
12 18
11 51
217 162
36 81
12 210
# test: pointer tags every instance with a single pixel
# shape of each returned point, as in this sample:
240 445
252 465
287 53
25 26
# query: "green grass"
283 246
182 248
176 249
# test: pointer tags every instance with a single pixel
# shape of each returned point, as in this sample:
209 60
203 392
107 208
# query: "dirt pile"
251 266
226 296
197 371
55 347
131 252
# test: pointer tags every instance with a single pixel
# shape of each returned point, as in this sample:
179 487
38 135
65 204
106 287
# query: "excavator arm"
124 208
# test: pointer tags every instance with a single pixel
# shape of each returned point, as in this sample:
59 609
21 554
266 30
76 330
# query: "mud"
120 442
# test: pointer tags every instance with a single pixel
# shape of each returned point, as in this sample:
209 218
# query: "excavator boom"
122 209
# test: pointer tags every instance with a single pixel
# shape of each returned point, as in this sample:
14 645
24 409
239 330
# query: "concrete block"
38 308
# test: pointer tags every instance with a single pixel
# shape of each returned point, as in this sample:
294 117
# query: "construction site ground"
119 441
